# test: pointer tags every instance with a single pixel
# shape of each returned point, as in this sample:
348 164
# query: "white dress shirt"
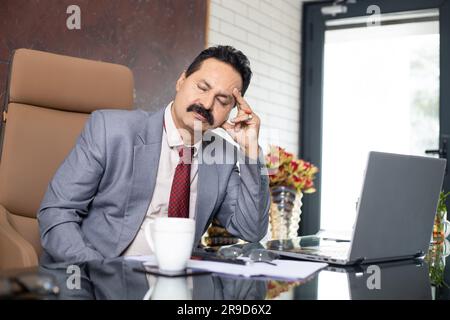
168 161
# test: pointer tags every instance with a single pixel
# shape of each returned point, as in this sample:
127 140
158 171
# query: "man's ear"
180 80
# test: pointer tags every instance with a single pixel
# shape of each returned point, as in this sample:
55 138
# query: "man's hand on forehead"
244 128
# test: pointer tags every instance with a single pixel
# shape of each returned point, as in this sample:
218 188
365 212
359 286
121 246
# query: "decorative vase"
441 228
285 211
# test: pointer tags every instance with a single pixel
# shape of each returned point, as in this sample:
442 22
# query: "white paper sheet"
148 259
284 269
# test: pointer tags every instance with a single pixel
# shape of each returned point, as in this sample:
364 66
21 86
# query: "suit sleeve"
69 194
244 211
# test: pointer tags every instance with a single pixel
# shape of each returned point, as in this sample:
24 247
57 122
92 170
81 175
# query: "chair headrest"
67 83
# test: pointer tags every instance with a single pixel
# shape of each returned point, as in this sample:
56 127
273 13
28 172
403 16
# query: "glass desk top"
120 278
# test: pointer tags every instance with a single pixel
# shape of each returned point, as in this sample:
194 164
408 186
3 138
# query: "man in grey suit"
121 173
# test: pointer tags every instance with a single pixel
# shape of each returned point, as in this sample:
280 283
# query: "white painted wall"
268 32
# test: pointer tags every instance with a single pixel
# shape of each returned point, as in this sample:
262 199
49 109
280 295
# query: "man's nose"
207 101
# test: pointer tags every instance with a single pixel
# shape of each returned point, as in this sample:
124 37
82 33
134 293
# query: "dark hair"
226 54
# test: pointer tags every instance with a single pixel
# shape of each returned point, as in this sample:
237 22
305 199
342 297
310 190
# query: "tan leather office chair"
49 98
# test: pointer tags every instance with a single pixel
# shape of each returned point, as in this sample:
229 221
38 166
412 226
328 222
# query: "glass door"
381 93
375 81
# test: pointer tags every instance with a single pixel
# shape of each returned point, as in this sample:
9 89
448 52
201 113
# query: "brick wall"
268 32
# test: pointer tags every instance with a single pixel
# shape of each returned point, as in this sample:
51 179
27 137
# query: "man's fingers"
242 118
241 103
231 127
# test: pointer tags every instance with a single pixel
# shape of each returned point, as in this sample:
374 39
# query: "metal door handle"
442 152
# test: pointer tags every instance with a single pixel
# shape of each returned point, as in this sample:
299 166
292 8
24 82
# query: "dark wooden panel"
3 76
157 39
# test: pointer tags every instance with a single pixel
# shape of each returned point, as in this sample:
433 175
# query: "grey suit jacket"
99 196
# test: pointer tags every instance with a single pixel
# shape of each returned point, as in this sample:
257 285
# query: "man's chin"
198 125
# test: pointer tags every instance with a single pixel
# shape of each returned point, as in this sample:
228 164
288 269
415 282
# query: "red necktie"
181 185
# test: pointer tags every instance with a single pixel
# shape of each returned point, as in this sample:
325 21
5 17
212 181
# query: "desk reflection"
405 280
118 279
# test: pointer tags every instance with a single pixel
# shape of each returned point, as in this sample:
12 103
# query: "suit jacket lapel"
207 190
147 150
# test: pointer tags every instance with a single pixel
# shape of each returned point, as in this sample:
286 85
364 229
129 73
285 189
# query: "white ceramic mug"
171 240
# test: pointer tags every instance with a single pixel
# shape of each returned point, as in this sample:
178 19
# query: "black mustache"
202 111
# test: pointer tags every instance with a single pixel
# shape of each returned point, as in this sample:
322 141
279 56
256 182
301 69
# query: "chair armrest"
15 251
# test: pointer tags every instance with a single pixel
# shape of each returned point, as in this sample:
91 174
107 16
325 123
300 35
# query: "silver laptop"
395 215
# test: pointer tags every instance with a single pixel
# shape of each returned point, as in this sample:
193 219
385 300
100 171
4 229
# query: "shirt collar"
173 136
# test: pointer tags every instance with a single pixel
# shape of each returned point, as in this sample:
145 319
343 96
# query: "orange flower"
286 170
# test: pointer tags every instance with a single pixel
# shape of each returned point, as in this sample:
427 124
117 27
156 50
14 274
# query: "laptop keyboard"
334 253
338 252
